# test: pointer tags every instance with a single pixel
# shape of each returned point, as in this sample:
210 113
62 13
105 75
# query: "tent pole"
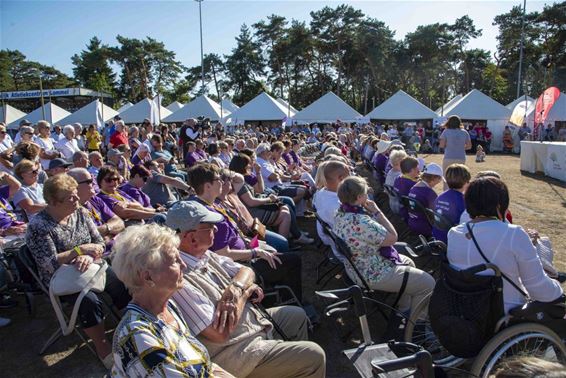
519 79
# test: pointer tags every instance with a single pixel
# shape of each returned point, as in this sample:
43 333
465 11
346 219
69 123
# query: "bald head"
334 173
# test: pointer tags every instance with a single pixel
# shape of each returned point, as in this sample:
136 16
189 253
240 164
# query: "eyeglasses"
28 133
112 179
88 182
34 172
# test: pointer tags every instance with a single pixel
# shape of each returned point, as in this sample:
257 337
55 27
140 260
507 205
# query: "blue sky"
51 31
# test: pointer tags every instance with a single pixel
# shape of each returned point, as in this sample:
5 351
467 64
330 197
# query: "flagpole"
158 109
519 79
101 108
41 94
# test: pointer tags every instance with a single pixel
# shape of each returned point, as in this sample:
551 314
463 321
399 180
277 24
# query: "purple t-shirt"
295 158
111 201
227 234
287 157
380 163
251 179
402 186
136 194
202 154
192 158
7 216
99 211
418 222
451 204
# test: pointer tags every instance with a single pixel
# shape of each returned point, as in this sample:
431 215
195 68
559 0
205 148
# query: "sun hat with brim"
433 169
382 146
187 215
58 163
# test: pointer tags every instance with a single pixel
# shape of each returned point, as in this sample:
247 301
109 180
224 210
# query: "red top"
118 139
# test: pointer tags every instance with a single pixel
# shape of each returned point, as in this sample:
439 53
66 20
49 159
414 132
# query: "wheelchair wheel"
528 339
418 331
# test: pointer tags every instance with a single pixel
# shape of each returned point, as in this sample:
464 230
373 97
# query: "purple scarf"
389 252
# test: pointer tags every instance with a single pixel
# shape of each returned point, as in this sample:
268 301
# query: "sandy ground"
536 202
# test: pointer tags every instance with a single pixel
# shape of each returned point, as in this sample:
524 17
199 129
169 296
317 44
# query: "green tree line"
339 49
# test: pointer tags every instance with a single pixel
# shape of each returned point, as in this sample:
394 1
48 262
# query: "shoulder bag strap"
489 262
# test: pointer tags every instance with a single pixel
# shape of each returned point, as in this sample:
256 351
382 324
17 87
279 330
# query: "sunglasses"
2 132
112 179
145 178
88 181
34 172
28 133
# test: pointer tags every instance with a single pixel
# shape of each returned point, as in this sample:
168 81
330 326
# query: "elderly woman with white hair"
68 145
152 338
120 136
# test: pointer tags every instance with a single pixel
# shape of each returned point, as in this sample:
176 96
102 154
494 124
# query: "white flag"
99 115
155 116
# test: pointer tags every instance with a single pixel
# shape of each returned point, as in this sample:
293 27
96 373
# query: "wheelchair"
534 329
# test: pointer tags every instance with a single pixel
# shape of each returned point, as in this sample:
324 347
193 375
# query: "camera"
203 122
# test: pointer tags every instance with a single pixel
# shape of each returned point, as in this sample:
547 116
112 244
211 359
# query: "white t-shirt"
67 148
326 204
509 247
46 145
267 169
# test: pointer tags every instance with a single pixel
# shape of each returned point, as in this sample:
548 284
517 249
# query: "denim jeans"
277 241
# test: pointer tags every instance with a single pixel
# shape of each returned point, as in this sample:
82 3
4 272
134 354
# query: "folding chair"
329 258
417 207
26 260
440 221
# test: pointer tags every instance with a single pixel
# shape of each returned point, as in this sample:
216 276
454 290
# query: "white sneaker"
4 322
304 240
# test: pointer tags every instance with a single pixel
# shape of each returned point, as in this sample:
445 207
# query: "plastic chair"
417 207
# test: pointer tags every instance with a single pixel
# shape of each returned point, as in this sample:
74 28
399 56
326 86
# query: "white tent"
400 107
123 108
174 106
328 108
512 105
557 112
200 106
477 106
440 111
141 111
292 109
87 115
229 105
261 108
9 114
53 114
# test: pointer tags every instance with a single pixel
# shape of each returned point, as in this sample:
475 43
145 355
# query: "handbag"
258 229
68 280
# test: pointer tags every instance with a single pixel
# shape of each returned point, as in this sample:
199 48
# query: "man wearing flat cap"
218 301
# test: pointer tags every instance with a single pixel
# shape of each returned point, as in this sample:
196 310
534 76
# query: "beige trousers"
291 358
419 284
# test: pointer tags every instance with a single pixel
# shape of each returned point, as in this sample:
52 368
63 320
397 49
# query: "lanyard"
10 214
115 196
93 213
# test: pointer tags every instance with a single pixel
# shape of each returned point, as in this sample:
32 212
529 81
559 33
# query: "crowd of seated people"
196 225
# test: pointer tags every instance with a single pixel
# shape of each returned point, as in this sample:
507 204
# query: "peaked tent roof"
124 107
512 105
454 99
401 106
53 114
328 108
10 114
200 106
141 111
87 114
174 106
227 104
287 106
478 106
261 108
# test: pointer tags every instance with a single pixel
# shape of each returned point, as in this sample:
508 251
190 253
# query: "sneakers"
7 302
304 240
4 322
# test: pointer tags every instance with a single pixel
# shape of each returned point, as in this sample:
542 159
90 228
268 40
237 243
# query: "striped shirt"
198 309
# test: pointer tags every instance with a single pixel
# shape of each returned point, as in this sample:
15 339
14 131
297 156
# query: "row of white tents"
474 106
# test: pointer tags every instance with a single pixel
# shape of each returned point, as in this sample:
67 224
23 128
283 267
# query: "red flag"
543 106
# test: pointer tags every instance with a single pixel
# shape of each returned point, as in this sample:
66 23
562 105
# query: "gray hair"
68 128
94 153
351 188
138 249
78 173
332 151
396 156
77 155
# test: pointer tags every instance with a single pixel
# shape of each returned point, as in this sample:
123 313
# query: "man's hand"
225 315
255 293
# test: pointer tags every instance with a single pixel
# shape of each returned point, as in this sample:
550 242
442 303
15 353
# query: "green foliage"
92 68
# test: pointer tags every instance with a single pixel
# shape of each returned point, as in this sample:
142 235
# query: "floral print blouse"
364 235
